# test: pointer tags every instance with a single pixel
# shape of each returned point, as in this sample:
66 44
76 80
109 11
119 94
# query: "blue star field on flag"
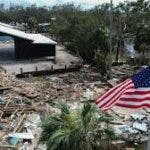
142 79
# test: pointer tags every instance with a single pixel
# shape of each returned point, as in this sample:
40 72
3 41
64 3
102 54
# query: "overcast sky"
85 3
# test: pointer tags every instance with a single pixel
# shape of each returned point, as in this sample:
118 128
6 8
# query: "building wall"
24 49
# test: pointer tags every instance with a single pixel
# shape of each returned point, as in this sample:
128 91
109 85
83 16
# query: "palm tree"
32 24
76 130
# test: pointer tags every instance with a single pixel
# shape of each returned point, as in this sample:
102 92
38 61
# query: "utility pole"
110 39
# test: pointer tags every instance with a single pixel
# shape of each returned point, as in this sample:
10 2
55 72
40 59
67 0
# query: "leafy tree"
4 17
138 25
77 130
32 24
142 40
135 24
81 32
119 24
142 44
16 14
137 13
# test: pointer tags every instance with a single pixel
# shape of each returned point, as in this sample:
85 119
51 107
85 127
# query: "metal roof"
35 38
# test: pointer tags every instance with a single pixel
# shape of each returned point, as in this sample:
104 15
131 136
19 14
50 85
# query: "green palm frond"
63 108
75 130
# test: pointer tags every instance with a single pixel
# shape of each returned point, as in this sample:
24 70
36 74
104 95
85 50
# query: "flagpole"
110 39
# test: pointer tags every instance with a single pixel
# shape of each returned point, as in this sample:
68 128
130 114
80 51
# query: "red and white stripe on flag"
125 95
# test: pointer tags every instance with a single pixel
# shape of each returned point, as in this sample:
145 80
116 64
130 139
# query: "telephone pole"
110 39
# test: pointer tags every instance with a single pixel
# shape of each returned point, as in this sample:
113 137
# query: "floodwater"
7 51
5 38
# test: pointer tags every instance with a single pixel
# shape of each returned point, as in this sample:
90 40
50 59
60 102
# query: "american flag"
132 93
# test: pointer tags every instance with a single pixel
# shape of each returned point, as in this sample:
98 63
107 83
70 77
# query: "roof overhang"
34 38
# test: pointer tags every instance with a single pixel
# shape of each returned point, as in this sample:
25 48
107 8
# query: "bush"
77 130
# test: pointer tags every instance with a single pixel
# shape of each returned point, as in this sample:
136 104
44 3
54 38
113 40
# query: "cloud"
89 2
83 3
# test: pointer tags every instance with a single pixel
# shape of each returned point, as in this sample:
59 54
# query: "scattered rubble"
25 102
132 128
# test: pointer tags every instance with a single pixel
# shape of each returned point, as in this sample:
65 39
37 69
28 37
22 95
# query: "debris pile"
4 81
123 72
133 128
19 131
24 102
16 108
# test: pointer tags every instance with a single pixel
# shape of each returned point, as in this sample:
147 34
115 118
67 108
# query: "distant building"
29 45
43 27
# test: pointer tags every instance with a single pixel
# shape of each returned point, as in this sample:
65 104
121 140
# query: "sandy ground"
8 62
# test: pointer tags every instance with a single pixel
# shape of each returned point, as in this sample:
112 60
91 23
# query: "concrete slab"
13 66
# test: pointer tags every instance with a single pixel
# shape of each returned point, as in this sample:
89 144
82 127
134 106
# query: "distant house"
29 45
43 27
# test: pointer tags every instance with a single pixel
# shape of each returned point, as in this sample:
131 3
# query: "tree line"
86 32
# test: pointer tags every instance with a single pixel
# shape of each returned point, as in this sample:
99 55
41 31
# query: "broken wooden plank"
5 107
11 108
7 146
28 95
20 123
2 133
5 88
113 82
2 89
